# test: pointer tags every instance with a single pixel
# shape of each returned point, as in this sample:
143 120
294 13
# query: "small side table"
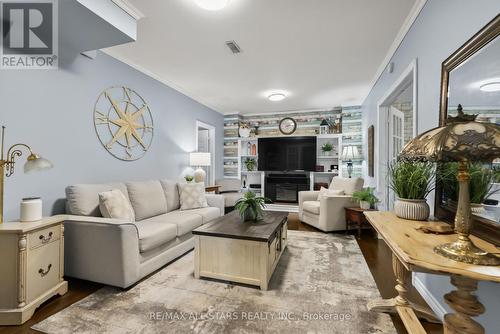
214 189
356 216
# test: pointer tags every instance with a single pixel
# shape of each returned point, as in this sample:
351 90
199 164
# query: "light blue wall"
53 112
441 28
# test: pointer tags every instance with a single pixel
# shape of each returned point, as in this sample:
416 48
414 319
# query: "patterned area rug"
321 285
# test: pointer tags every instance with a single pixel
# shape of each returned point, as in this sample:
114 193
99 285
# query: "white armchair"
327 213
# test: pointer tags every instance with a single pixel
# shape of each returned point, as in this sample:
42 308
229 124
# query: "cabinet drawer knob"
46 239
44 273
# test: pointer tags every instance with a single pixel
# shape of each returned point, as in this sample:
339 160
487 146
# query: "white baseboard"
434 304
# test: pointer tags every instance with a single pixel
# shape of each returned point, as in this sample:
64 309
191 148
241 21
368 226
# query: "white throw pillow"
329 192
114 204
192 196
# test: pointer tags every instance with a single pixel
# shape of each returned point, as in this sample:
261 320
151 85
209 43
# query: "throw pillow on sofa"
114 204
329 192
192 196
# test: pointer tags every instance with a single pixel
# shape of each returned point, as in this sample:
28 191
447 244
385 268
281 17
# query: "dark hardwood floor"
375 251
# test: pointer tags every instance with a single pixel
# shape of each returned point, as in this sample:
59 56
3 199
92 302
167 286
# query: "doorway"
397 124
205 142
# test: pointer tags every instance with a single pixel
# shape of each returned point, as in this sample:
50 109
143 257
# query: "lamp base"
199 175
463 250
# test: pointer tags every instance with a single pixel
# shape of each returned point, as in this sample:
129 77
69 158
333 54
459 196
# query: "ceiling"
321 53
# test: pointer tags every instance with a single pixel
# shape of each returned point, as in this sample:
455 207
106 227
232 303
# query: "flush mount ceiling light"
212 4
276 97
490 87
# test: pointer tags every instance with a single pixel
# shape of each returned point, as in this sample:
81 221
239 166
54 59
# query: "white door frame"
408 76
211 134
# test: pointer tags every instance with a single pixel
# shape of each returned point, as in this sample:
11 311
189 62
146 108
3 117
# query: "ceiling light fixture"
276 97
490 87
212 4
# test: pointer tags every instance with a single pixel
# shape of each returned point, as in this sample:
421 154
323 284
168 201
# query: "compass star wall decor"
123 123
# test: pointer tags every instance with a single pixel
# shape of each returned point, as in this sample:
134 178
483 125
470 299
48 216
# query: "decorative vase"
412 209
477 209
244 132
364 205
247 216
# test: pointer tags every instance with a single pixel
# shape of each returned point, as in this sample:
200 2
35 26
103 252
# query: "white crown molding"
163 81
412 16
130 9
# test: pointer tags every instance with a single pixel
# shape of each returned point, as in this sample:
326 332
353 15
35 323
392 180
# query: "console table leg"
466 305
403 280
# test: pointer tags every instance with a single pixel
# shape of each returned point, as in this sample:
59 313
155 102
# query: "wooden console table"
412 250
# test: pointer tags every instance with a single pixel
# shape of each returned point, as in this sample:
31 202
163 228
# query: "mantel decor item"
250 164
327 148
7 162
123 123
324 127
350 152
199 159
464 141
251 207
244 130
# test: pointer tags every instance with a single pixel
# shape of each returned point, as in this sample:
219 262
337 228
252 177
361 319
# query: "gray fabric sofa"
120 253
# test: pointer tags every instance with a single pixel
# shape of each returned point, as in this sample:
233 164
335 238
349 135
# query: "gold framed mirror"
470 77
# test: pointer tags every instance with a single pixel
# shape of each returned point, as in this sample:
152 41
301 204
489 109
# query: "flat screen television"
287 154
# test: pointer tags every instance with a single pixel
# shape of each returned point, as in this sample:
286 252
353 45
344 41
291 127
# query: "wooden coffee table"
243 252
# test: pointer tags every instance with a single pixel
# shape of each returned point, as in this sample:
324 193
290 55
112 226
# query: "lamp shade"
199 159
456 141
350 152
36 163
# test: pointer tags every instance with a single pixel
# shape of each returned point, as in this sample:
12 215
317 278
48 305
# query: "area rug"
321 285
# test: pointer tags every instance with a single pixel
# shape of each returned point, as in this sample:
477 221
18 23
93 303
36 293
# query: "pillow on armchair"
329 192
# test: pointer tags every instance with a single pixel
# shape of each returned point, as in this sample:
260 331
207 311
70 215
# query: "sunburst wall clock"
123 123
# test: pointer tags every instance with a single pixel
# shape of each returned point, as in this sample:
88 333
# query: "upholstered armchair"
326 212
231 190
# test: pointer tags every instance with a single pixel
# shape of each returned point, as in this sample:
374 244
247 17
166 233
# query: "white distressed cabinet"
31 267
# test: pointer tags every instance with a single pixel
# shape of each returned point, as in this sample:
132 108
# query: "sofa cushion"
311 206
83 199
171 194
349 186
114 204
147 199
207 214
192 196
184 222
154 233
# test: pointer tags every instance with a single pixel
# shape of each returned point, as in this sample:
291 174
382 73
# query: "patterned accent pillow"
192 196
323 192
114 204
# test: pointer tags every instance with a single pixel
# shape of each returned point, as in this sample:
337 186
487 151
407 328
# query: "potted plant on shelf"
480 184
366 198
327 148
251 207
411 182
250 164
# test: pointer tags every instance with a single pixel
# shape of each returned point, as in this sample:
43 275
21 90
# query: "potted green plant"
189 178
411 182
480 183
366 198
327 148
250 164
251 207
